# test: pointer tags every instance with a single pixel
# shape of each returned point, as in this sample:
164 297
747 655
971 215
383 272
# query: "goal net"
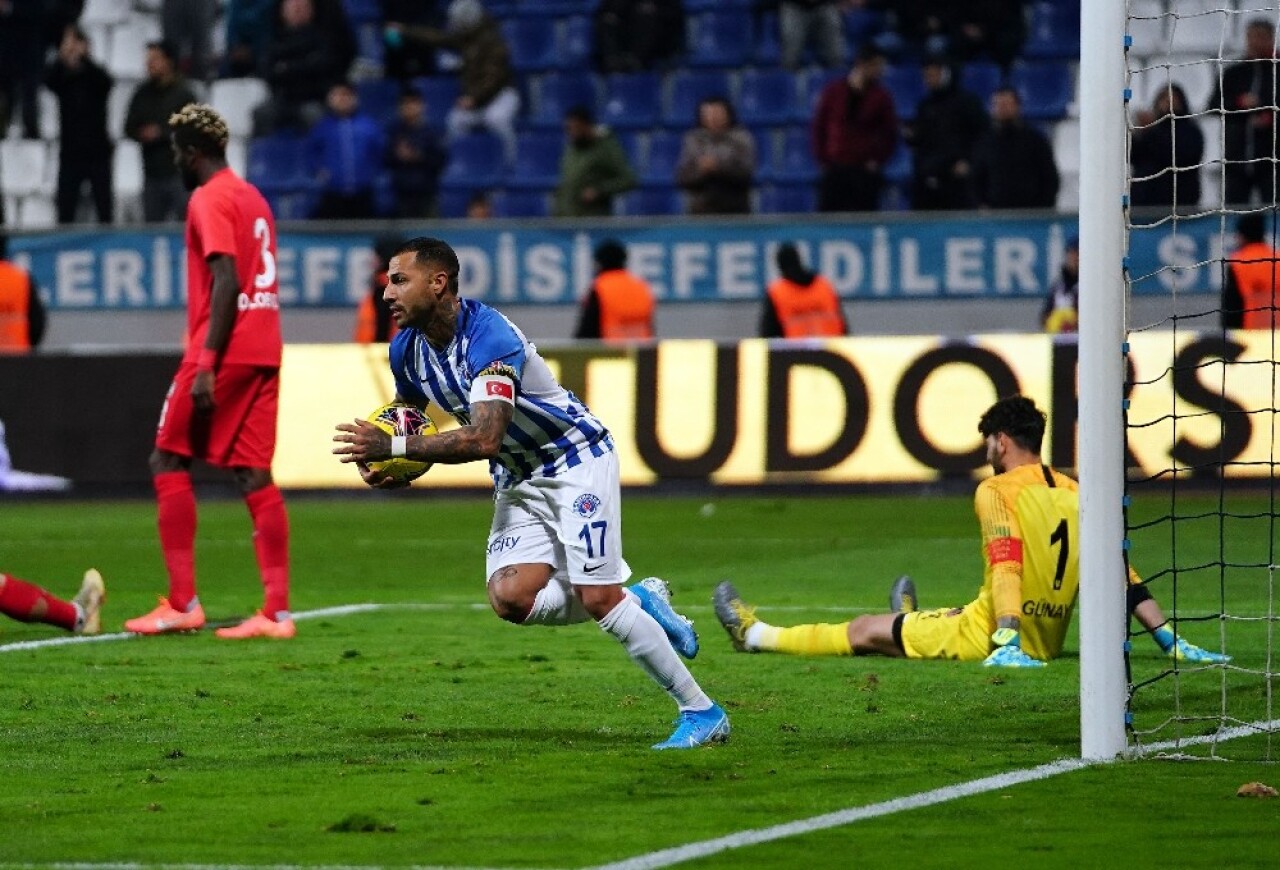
1200 402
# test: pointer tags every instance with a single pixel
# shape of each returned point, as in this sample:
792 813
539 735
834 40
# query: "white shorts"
572 523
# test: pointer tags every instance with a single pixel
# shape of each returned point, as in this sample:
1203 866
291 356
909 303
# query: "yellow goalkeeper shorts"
946 633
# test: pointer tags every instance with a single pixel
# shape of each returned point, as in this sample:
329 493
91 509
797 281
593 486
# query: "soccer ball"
399 419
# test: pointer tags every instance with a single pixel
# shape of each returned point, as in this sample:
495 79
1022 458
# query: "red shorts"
241 431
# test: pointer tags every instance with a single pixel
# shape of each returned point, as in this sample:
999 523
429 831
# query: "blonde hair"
199 126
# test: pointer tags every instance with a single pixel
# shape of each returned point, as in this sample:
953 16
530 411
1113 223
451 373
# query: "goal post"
1103 169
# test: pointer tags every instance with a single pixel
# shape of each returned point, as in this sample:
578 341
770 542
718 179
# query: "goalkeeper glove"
1180 650
1008 652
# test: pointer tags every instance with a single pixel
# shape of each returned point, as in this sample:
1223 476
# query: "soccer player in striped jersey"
554 555
1028 514
27 602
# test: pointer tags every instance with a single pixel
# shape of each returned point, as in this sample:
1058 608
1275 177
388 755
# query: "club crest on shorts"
586 505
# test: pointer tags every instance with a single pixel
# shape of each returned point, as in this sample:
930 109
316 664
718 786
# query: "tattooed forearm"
482 439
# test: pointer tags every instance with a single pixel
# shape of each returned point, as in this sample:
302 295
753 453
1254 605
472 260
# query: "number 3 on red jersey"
267 276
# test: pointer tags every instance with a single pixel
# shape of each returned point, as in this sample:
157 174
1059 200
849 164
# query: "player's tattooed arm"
482 439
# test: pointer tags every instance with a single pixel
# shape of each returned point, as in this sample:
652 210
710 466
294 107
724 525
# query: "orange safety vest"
1256 268
626 305
805 312
15 308
366 331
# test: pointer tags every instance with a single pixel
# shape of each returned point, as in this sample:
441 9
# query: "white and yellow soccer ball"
400 419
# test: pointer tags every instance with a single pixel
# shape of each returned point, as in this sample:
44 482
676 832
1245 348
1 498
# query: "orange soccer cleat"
164 620
259 626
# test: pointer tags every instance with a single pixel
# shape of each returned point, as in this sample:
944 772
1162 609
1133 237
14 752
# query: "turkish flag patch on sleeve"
493 388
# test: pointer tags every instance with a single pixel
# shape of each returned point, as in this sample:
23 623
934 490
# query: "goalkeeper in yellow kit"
1030 532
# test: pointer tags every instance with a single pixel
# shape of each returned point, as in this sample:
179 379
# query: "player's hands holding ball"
372 445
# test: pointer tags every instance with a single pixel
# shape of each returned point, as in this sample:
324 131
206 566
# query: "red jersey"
227 215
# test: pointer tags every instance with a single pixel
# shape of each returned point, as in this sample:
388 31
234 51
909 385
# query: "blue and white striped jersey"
550 431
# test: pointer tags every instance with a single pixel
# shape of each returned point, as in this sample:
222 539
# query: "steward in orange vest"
800 304
374 323
1249 292
22 318
619 306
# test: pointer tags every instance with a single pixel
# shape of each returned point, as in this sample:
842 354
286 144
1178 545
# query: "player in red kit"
222 405
27 602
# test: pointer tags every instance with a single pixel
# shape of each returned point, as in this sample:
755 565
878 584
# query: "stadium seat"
898 168
521 204
811 84
661 158
982 77
37 213
555 93
577 43
235 100
277 163
787 199
453 203
904 81
632 100
475 161
719 38
238 155
766 96
651 201
105 11
126 168
1053 31
24 166
533 42
50 120
1044 87
127 56
378 98
440 93
363 11
1066 145
632 145
690 87
1210 33
296 205
117 110
795 162
768 50
1147 27
537 163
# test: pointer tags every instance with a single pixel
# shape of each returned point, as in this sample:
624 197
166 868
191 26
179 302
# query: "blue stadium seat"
452 203
811 85
361 11
370 47
863 25
651 201
632 100
556 93
898 169
907 87
533 42
295 205
661 158
378 98
577 42
537 163
1044 87
766 96
1053 31
520 203
278 164
982 77
795 163
440 93
768 144
768 50
475 161
787 198
632 145
690 87
719 38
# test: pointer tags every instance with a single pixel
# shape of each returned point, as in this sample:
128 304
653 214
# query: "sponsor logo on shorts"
591 569
503 542
586 505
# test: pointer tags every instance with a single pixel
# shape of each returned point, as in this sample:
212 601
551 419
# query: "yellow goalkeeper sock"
815 639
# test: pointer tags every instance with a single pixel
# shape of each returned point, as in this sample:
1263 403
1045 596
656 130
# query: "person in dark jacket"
1165 139
346 151
717 161
164 196
415 158
1013 163
853 133
632 35
302 63
1246 95
949 121
22 48
84 154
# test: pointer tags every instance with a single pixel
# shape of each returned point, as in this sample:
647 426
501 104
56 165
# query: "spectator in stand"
918 27
489 97
819 21
800 303
22 314
302 63
22 47
1249 299
1165 138
346 151
853 132
84 153
415 158
717 161
619 305
187 25
993 29
634 35
248 37
1246 95
593 168
407 59
374 323
1061 312
479 206
164 92
1013 162
949 122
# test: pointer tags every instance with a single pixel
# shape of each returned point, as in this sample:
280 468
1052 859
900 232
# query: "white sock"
80 616
754 635
556 605
648 647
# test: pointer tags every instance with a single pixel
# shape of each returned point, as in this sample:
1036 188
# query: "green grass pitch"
432 733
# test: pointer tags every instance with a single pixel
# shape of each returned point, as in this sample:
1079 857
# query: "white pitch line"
135 865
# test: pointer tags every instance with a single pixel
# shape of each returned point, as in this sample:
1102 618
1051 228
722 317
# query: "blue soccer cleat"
1184 651
1011 656
698 728
655 600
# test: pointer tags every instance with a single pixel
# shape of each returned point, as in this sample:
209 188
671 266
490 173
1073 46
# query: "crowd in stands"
414 108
